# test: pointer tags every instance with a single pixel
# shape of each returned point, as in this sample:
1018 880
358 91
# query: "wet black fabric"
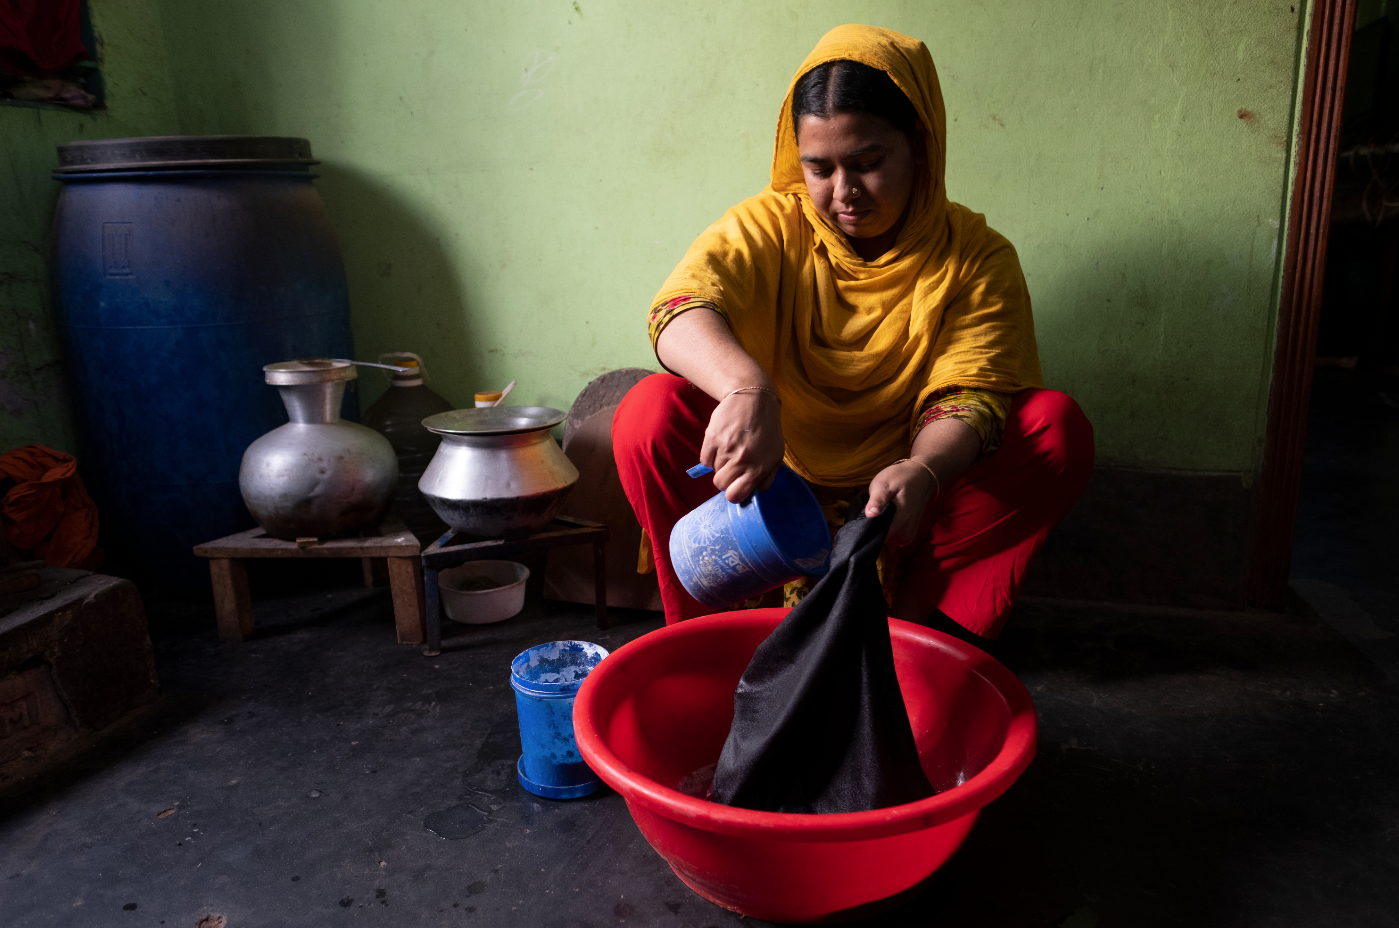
819 720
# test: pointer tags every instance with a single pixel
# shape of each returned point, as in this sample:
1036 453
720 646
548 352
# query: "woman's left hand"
911 488
947 447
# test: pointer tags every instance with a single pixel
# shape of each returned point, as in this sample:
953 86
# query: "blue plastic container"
181 266
724 553
545 679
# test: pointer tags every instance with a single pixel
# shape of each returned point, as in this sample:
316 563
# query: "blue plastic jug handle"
700 470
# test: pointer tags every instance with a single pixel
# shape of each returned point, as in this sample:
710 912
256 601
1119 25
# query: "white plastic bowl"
482 607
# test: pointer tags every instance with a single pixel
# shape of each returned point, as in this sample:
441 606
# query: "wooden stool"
564 530
394 543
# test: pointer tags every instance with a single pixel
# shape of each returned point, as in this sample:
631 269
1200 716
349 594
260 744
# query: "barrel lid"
495 420
174 152
308 370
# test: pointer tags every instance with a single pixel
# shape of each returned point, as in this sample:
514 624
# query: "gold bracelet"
936 482
750 389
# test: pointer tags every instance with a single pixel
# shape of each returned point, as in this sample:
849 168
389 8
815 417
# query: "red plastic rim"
1014 756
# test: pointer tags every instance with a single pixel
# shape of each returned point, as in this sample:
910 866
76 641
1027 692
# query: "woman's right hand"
743 443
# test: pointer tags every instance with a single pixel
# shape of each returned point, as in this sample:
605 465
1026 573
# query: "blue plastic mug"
724 553
545 678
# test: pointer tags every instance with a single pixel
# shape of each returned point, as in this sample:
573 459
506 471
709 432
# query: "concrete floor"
1193 769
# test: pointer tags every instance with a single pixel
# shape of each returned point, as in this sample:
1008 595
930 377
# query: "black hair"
845 86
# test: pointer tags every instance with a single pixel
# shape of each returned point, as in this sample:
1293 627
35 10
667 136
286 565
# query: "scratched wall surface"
33 399
513 181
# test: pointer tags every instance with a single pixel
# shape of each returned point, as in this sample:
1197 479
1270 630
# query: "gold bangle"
750 389
936 482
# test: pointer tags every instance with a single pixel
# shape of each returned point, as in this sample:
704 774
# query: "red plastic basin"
660 708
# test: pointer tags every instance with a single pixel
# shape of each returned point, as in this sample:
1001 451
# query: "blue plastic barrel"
724 553
545 678
181 266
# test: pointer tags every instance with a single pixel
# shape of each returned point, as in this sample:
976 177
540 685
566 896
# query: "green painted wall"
33 394
512 181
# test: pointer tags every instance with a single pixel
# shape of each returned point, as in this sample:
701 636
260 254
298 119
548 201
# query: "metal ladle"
387 367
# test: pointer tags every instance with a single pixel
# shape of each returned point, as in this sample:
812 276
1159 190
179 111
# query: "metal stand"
564 530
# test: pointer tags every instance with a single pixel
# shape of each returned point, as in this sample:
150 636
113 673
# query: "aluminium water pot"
317 476
498 470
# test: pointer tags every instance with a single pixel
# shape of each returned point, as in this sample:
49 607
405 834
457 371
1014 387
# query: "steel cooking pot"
498 470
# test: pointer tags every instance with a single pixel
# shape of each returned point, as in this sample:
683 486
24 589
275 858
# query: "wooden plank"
1299 309
233 604
396 542
376 571
335 547
409 608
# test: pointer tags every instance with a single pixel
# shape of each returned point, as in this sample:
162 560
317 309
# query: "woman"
851 320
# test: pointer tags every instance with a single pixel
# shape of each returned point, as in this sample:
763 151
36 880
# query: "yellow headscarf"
856 347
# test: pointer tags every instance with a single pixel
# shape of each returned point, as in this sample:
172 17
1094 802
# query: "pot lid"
308 370
495 420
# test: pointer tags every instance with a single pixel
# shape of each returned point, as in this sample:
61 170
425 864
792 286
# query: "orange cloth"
48 510
856 348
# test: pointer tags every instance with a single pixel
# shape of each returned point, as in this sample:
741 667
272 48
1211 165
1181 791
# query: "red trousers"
976 539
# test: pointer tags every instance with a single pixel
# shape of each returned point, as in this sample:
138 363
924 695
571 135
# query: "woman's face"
860 172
